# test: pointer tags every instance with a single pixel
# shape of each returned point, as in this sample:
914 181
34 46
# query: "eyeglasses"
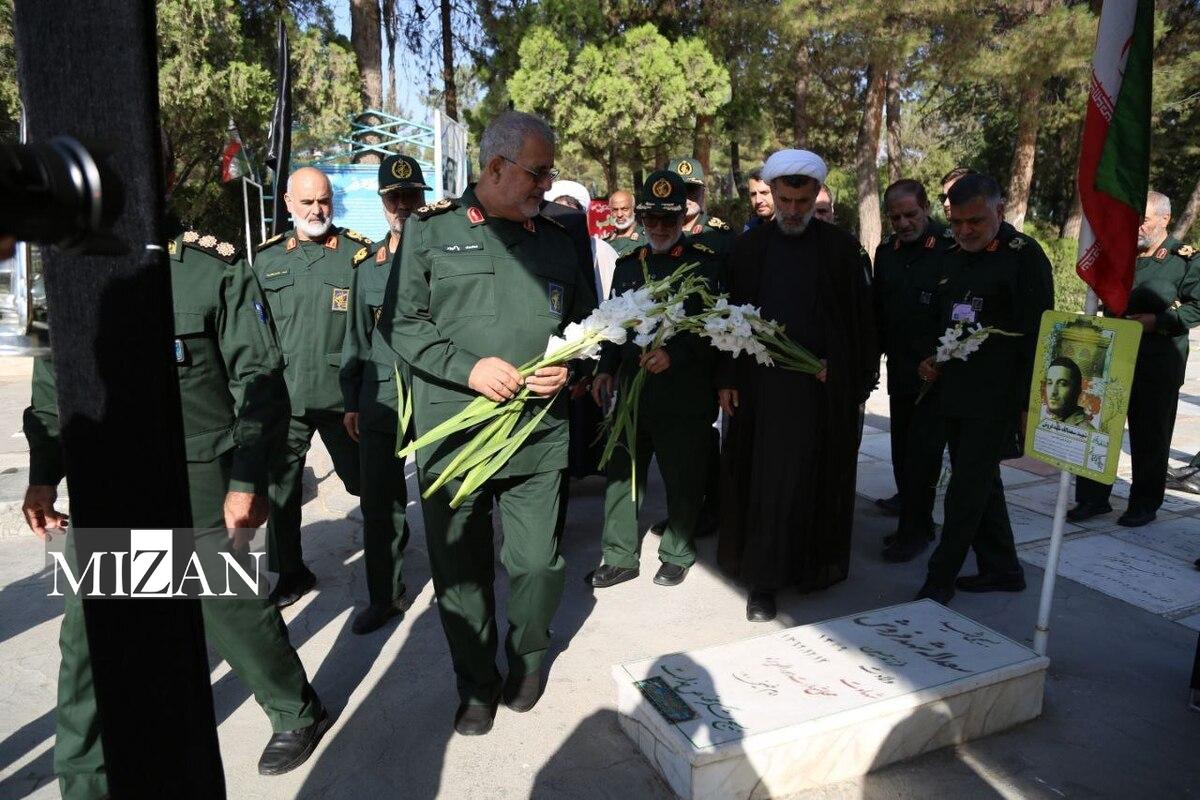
659 220
540 176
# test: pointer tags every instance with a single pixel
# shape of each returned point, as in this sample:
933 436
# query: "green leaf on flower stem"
474 414
404 408
483 444
481 472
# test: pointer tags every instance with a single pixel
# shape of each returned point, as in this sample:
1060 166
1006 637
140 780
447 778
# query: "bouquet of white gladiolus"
651 311
959 341
738 329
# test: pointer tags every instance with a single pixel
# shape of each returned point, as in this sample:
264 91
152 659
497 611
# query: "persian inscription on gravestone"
801 674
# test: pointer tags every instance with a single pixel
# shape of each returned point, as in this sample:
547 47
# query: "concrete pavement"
1114 724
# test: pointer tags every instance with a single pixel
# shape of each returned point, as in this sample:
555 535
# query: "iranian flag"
234 163
1114 163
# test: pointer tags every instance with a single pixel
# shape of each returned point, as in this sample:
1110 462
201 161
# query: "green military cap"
689 169
400 172
663 191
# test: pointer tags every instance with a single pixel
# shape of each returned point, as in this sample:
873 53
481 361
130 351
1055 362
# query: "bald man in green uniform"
1165 299
306 275
677 405
371 397
481 284
234 405
627 234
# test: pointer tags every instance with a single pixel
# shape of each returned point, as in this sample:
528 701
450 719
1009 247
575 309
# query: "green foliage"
1070 291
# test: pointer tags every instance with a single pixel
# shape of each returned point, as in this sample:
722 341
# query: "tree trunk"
800 96
870 224
1185 221
610 170
389 39
895 150
1028 120
702 140
735 169
1072 221
449 88
661 156
364 36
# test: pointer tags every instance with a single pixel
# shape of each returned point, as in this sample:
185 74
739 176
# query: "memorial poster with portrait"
1079 395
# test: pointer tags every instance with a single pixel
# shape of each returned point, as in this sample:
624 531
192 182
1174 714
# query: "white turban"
570 189
794 162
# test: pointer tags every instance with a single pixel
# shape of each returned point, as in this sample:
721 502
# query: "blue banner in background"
356 203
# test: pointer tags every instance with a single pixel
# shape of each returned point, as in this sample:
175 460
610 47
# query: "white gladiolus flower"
643 339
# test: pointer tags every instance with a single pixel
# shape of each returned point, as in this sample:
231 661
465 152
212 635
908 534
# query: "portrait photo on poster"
1079 395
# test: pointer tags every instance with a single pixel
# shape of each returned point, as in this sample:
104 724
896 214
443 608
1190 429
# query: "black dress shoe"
1182 473
889 505
1083 511
522 693
992 582
900 551
892 538
289 749
935 592
760 606
1136 518
670 574
291 587
659 528
607 575
374 617
1189 484
474 720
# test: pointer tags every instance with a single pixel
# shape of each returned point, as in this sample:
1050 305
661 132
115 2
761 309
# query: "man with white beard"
790 459
306 275
627 234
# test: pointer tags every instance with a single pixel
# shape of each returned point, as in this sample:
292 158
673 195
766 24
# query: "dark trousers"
1152 404
922 466
287 472
249 634
976 515
385 530
463 565
901 407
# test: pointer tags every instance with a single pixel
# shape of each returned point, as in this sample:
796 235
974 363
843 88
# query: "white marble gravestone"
811 705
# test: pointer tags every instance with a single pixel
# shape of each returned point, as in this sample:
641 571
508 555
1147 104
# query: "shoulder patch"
440 207
947 234
356 236
714 222
209 244
1017 242
276 239
360 256
1187 251
703 248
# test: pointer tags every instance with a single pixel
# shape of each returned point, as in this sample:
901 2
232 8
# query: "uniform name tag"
462 248
340 301
180 353
962 312
556 298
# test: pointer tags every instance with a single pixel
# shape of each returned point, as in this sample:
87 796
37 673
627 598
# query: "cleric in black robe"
789 466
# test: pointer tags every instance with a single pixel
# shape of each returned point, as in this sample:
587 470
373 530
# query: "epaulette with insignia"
277 238
553 220
887 239
356 236
713 222
443 205
360 256
210 245
947 234
1186 251
1017 242
703 248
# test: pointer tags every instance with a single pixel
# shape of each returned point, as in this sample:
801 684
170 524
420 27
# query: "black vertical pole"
279 142
122 433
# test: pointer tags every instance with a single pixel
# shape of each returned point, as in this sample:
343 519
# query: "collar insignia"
930 242
993 246
332 242
1161 254
529 226
475 215
292 244
677 251
381 256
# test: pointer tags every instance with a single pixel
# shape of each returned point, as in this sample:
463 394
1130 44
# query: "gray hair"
1158 203
507 133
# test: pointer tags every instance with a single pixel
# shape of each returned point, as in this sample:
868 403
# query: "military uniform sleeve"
356 348
254 365
406 323
40 424
1177 319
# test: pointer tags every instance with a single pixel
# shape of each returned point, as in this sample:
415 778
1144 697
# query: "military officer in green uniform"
481 284
995 277
677 405
697 224
234 404
904 288
1165 299
306 274
370 394
627 234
